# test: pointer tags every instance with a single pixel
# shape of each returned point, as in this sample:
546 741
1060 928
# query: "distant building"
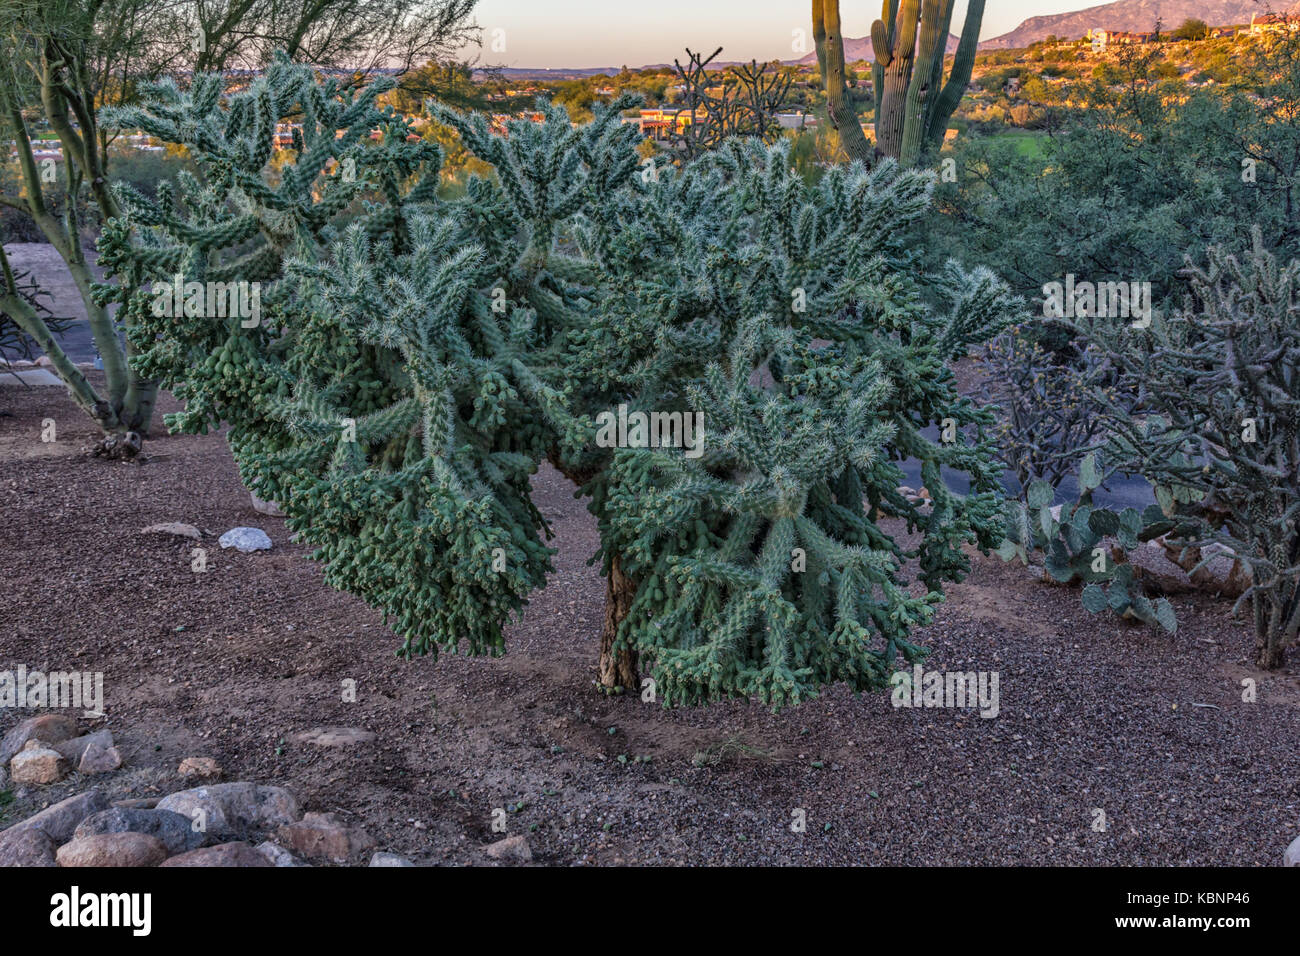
1098 38
1262 23
796 120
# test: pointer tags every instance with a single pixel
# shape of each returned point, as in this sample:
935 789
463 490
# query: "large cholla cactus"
1214 423
416 359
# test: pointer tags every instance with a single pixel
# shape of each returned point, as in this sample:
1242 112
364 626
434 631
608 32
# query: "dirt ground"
1095 714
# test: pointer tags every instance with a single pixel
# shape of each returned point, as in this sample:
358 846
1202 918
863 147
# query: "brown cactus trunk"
617 669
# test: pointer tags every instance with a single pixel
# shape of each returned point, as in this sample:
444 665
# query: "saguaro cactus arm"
945 104
830 60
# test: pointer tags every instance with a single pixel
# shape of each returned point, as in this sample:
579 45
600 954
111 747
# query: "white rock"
1292 855
389 859
246 540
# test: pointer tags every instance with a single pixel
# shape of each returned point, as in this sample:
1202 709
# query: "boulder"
175 831
38 764
73 749
112 849
233 810
278 855
325 836
99 759
26 848
49 728
513 849
246 540
60 821
237 853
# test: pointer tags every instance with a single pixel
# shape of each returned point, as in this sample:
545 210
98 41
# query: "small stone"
278 855
269 508
246 540
205 768
234 809
237 853
38 765
389 859
325 836
514 849
50 728
1292 855
175 831
113 849
177 528
72 750
334 737
26 848
99 759
60 821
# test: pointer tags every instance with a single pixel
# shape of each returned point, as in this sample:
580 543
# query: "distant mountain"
1133 16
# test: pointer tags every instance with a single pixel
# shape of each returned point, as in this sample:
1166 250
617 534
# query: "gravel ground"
1095 715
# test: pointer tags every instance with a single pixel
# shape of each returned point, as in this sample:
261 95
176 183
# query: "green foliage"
417 360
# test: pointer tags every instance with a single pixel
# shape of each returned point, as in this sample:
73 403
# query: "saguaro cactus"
913 102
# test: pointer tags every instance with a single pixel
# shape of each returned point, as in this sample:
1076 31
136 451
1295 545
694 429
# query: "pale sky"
594 33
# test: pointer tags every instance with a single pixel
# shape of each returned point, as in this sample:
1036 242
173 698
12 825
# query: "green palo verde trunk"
125 412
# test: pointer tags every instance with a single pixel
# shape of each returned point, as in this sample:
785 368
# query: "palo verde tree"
418 358
62 60
913 101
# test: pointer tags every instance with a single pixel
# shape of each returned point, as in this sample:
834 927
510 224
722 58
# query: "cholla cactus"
418 358
1215 423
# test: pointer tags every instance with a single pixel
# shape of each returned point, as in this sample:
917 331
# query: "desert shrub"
411 369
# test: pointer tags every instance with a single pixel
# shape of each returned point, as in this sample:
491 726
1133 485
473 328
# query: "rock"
223 854
246 540
325 836
50 728
72 750
205 768
26 848
60 821
44 361
269 508
334 736
4 777
99 759
233 809
175 831
389 859
1292 855
38 764
278 855
177 528
113 849
514 849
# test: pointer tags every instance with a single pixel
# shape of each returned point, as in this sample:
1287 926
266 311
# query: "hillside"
1134 16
